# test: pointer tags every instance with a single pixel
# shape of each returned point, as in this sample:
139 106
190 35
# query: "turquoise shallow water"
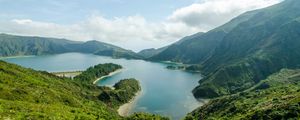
166 92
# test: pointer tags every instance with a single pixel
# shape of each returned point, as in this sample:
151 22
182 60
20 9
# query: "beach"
110 74
124 110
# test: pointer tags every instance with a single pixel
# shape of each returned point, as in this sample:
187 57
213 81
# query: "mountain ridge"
253 50
13 45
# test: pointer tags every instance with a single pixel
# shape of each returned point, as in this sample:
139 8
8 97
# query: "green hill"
30 94
276 98
191 49
253 50
197 48
11 45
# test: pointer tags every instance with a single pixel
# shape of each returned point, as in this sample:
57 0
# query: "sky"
131 24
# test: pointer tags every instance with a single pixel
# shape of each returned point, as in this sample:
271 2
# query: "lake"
165 92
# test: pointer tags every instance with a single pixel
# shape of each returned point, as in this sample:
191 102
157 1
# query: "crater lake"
164 91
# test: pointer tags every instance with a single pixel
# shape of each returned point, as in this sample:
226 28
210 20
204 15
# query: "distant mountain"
147 53
11 45
196 48
103 49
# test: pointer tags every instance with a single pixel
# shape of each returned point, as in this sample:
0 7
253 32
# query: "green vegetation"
29 94
93 73
277 97
121 93
11 45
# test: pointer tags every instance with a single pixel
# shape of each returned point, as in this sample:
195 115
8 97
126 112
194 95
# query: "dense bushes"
93 73
121 93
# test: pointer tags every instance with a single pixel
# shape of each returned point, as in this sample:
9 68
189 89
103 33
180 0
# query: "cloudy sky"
131 24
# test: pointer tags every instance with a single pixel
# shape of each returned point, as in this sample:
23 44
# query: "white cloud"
132 32
135 32
212 13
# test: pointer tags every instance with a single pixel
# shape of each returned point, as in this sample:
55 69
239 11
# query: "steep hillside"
197 48
191 49
254 49
11 45
29 94
276 98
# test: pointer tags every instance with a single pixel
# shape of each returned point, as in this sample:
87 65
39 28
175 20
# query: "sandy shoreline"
124 110
110 74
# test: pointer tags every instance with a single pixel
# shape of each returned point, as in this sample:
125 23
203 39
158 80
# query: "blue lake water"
165 92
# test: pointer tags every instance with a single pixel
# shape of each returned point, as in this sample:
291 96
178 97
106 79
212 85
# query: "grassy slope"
277 97
25 93
29 94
